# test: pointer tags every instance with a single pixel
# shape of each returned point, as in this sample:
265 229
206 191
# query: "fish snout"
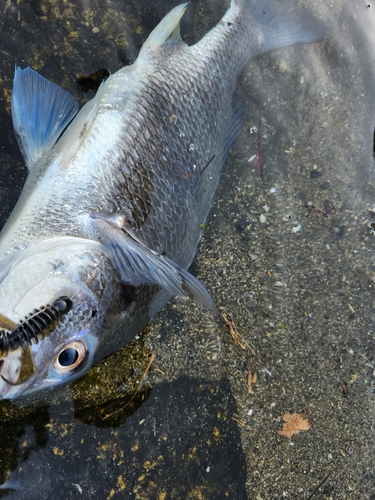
10 369
16 367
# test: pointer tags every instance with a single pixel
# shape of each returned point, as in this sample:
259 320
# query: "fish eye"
68 356
72 357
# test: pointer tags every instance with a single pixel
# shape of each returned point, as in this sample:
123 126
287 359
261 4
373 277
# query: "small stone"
314 174
282 66
262 219
242 225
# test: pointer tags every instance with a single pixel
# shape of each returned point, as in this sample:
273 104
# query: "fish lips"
10 371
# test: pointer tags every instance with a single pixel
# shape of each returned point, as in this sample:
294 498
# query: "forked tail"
281 23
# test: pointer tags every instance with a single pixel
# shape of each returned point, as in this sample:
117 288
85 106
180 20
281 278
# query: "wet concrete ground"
289 255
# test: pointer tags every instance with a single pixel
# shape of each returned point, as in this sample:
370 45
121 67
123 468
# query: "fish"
119 191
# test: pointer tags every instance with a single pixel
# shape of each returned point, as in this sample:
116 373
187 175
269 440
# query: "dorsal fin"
40 112
168 27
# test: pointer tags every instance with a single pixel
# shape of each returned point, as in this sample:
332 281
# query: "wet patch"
183 442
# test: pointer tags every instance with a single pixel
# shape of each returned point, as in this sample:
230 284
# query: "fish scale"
176 184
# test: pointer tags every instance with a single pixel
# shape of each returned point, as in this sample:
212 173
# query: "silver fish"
112 211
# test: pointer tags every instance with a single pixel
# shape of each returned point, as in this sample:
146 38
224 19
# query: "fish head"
70 279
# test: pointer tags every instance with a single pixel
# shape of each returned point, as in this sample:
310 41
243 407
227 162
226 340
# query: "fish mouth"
10 365
17 364
16 369
10 368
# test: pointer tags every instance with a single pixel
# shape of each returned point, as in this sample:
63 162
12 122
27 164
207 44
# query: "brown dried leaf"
294 423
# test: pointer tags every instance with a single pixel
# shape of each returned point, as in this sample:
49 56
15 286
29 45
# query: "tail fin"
282 24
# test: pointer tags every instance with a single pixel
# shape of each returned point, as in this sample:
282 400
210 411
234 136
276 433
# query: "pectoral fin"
138 265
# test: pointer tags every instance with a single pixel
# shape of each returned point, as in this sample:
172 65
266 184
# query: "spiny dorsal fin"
40 111
169 27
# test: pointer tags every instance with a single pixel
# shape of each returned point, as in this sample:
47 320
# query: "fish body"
112 210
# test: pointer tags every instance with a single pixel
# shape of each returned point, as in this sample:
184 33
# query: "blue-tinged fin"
138 265
40 112
168 28
282 23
